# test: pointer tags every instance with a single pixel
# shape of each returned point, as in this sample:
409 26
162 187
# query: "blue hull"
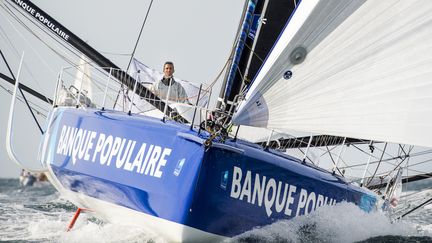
163 170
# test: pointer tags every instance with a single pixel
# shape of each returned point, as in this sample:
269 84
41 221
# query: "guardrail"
86 86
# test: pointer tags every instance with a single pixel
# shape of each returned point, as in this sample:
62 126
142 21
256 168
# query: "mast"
246 24
263 21
66 35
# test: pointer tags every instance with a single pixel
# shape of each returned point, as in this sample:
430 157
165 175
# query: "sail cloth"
367 72
82 86
83 77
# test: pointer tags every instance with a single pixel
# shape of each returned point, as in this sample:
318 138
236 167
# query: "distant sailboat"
26 178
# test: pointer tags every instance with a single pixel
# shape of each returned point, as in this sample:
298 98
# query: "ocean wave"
38 214
344 222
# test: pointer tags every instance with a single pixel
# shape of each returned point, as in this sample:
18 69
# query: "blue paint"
197 186
128 188
247 23
254 26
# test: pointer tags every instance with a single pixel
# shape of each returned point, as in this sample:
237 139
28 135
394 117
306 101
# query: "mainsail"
353 68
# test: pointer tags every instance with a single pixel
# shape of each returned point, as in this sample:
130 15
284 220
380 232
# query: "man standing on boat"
161 87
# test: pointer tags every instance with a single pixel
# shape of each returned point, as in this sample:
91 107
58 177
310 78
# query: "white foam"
86 231
425 228
344 222
428 206
20 220
92 232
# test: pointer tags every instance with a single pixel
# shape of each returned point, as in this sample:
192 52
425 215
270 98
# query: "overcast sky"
197 35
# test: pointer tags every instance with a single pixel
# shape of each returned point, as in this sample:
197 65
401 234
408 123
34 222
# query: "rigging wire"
31 111
63 55
374 162
133 52
415 208
70 48
376 168
410 154
206 90
367 153
39 108
114 54
139 36
253 52
13 15
421 162
334 163
398 165
22 93
402 155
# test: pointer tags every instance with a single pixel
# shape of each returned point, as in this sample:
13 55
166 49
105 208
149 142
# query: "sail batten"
367 73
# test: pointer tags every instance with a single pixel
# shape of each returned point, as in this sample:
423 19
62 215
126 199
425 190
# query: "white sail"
83 77
367 73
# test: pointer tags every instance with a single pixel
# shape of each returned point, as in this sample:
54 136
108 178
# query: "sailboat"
334 64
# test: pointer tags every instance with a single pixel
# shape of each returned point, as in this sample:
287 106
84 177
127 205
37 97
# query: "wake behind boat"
188 179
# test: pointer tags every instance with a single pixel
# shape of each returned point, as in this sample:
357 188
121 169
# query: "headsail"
83 77
349 68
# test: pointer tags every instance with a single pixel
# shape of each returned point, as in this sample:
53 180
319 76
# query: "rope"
415 208
39 112
132 55
31 111
139 36
379 163
10 12
334 163
62 54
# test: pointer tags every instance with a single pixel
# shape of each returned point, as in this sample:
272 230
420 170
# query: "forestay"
359 69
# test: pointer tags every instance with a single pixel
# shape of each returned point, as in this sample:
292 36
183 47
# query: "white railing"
108 93
93 87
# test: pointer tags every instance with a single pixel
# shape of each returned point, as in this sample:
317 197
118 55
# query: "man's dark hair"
169 63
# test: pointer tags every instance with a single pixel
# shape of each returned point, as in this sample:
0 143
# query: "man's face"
168 70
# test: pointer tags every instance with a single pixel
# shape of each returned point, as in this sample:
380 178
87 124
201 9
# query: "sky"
197 35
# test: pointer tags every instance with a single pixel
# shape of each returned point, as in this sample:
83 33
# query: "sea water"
38 214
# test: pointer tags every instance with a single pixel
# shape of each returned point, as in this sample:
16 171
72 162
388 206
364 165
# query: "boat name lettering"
275 195
121 153
42 19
